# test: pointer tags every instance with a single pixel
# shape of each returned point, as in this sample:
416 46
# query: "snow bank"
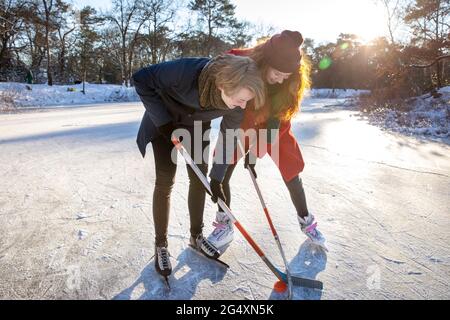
42 95
336 93
422 116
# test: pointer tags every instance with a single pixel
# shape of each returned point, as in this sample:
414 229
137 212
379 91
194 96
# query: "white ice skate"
223 233
309 228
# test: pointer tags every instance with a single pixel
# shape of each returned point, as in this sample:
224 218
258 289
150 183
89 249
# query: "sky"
320 20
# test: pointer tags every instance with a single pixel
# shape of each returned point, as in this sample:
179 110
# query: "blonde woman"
188 93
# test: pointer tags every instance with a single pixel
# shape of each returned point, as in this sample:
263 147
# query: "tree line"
58 44
392 67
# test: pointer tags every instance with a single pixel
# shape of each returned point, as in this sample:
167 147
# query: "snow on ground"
76 219
422 116
336 93
425 116
42 95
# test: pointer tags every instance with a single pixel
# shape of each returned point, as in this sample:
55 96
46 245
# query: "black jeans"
295 187
165 179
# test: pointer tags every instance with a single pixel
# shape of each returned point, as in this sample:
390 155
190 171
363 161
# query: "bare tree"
66 24
13 14
125 18
48 8
429 20
34 39
261 30
216 15
160 15
394 10
112 58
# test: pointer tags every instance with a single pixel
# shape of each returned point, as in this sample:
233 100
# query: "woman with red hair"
287 76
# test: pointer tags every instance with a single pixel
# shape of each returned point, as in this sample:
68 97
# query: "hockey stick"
309 283
269 220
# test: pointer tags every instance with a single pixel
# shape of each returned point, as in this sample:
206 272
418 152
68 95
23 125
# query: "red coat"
290 160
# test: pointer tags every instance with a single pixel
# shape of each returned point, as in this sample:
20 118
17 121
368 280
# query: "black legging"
165 179
295 187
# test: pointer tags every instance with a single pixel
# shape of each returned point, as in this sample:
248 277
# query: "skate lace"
164 257
312 229
219 225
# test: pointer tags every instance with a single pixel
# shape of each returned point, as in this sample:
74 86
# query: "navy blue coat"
169 92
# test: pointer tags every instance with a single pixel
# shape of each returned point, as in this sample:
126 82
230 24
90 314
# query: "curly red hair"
285 103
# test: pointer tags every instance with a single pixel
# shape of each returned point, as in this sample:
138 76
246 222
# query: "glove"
217 191
166 130
252 164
